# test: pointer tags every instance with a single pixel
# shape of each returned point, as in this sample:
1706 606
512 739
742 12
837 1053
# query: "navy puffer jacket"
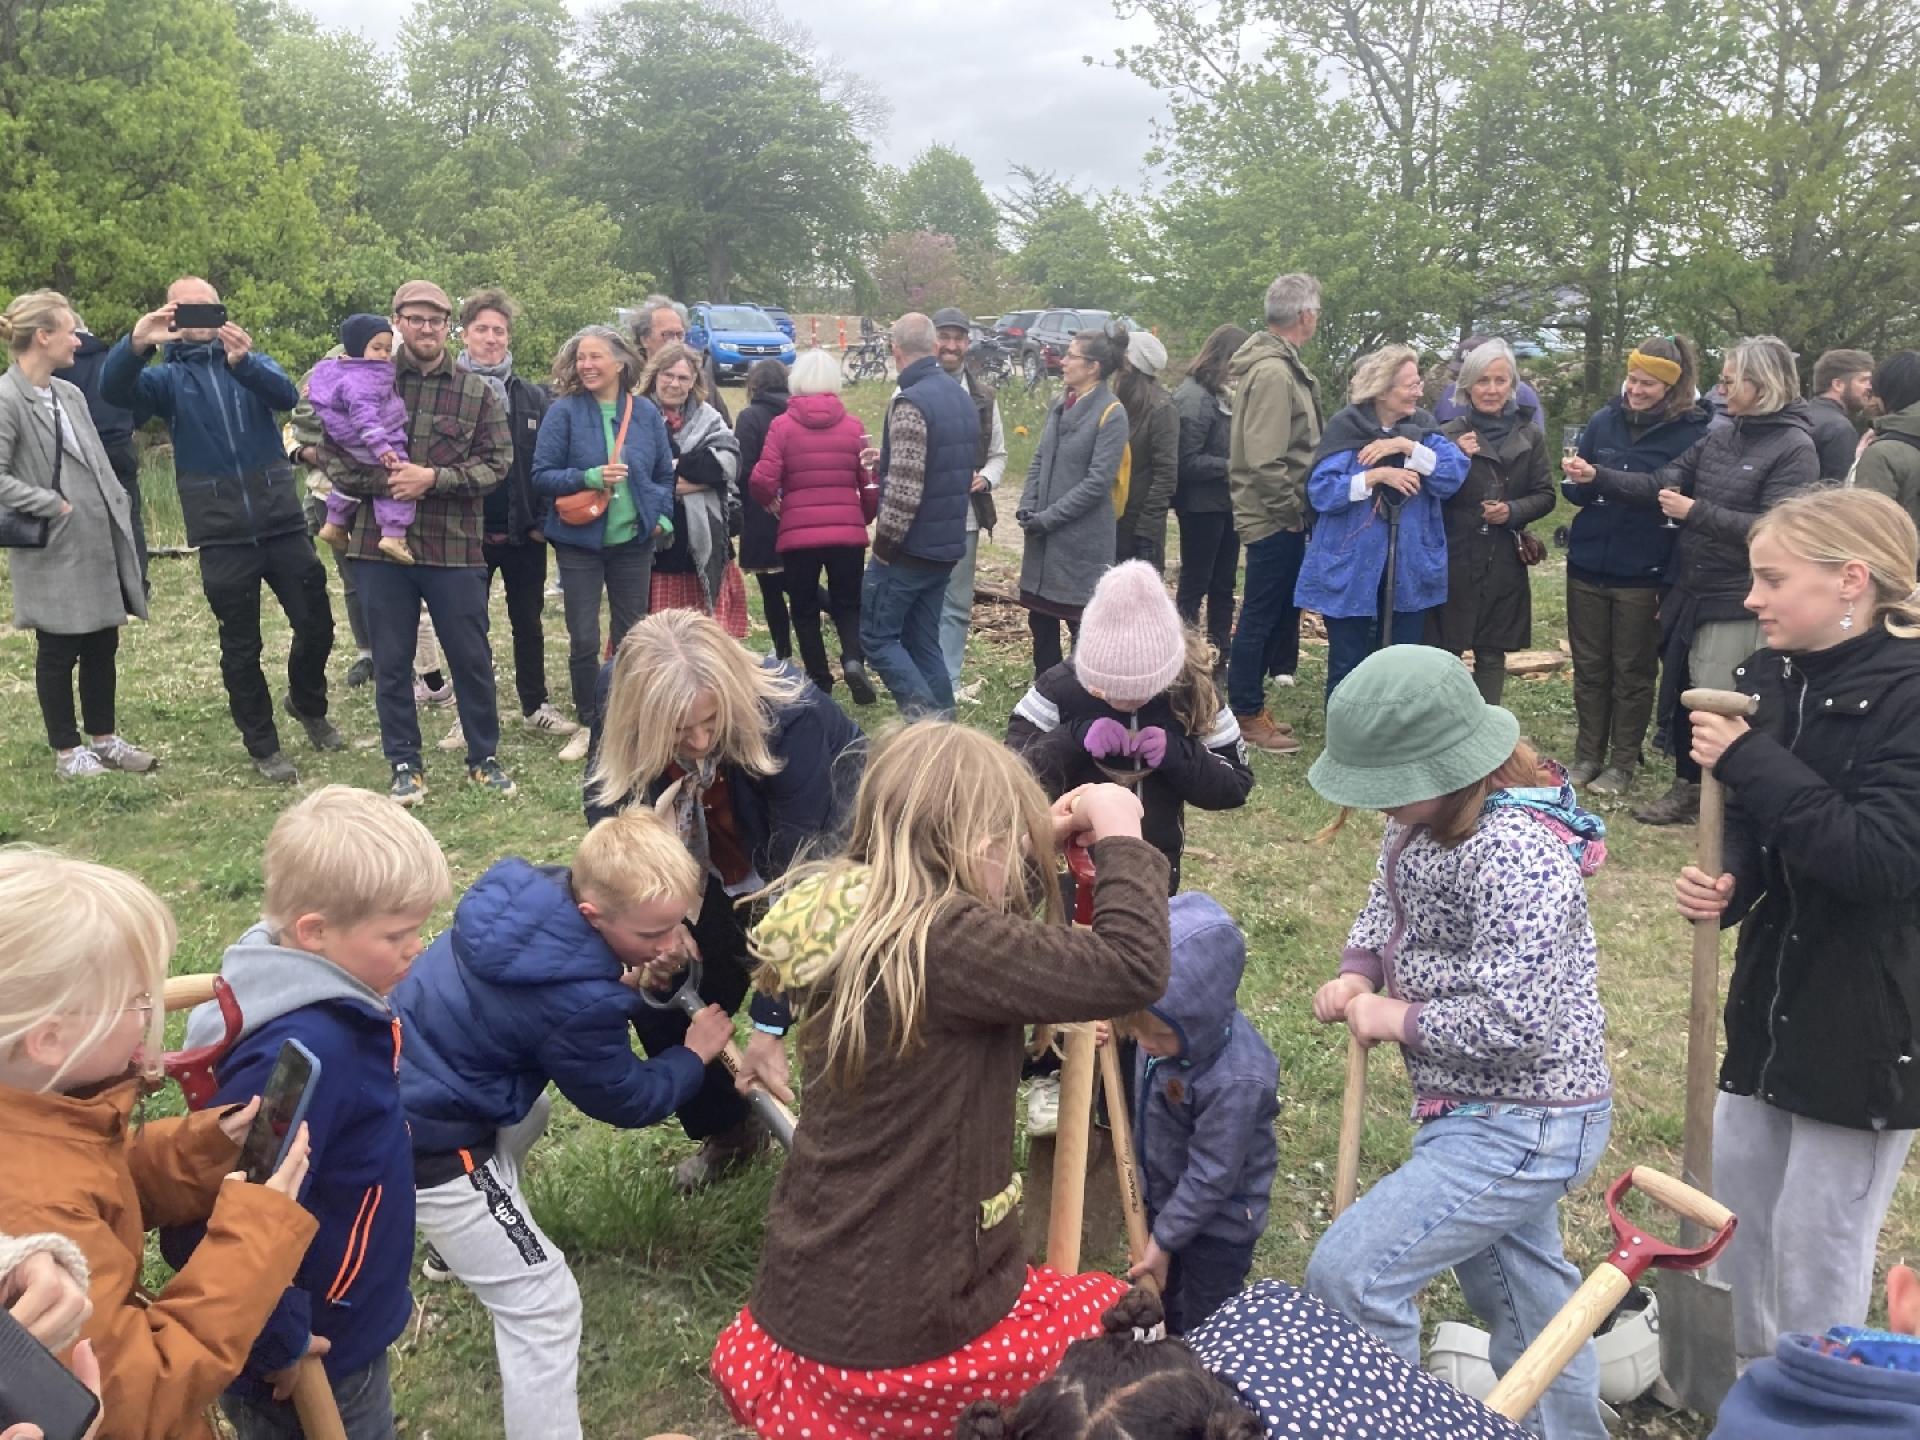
1624 543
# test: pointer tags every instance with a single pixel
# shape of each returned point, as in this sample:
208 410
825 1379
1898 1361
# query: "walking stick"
1389 500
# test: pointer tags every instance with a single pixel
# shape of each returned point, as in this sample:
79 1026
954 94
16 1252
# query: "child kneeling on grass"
526 987
83 961
350 880
893 1285
1477 928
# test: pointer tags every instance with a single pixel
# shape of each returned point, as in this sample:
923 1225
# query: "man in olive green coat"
1276 425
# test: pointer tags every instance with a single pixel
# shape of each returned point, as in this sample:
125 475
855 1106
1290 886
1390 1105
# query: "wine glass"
1670 523
1570 450
1495 494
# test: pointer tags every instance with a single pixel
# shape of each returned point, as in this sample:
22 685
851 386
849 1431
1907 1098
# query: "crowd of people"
891 915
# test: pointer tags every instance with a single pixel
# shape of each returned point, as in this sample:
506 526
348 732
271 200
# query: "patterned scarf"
686 802
1581 831
496 376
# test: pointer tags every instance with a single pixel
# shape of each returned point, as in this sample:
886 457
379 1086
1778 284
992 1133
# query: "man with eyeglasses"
459 446
242 504
662 320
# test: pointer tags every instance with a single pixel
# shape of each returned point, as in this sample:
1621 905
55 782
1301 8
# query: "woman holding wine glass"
1489 604
1715 490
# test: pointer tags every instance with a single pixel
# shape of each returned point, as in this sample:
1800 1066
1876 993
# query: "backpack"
1124 478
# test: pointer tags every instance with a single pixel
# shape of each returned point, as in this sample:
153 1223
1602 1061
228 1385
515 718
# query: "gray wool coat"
1067 507
88 576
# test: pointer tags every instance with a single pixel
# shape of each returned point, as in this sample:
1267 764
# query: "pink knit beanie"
1131 644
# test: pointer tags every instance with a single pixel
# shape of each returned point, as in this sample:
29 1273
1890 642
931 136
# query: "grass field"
660 1274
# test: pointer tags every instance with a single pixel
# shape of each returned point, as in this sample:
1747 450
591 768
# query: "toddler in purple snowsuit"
357 406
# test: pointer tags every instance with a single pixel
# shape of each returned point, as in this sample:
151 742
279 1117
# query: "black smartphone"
194 316
37 1389
283 1105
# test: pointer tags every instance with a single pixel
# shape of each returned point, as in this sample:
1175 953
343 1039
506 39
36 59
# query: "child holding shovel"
1477 930
1820 1093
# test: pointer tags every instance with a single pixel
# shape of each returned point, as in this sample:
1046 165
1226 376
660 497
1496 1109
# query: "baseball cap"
951 317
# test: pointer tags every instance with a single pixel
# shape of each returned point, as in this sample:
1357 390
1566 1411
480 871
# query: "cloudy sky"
999 80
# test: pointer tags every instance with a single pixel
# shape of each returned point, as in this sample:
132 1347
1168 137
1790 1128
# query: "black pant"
523 571
1203 1276
456 599
125 460
53 662
845 566
231 576
316 509
724 981
1209 565
626 573
775 609
1046 640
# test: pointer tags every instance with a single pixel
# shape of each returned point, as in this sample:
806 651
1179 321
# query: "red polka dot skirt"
778 1394
685 592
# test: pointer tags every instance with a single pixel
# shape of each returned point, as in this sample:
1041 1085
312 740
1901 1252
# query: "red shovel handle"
1635 1251
1080 866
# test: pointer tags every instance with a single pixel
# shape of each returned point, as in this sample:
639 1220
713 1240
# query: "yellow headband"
1667 372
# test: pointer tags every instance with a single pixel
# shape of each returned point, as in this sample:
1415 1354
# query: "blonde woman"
693 566
1818 1097
754 765
894 1287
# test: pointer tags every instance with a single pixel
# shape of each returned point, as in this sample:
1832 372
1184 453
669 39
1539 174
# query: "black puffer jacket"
1735 473
1206 431
758 529
1824 847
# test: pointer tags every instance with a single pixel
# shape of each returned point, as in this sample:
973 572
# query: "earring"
1846 620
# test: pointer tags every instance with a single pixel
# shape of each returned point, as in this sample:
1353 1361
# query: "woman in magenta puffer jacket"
811 474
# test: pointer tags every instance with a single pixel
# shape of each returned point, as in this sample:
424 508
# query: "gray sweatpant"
1811 1198
482 1228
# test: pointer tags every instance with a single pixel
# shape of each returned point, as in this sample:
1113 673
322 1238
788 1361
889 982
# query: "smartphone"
283 1105
196 316
37 1389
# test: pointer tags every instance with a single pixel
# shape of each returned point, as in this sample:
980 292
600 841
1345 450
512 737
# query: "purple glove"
1150 745
1105 737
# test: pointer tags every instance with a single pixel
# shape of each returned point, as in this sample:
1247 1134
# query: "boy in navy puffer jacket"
535 982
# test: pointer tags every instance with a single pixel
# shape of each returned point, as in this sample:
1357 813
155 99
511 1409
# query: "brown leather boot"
1264 733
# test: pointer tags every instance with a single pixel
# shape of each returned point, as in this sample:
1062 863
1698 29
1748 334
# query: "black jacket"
1489 603
1834 437
758 529
1049 728
114 423
1622 544
512 508
1206 430
1823 842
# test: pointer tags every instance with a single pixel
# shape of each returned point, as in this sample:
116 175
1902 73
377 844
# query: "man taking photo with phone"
241 501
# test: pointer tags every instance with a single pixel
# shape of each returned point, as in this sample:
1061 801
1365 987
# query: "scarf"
684 802
496 376
699 427
1359 425
1493 430
1554 806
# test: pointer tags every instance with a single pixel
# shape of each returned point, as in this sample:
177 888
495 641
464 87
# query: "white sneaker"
456 738
1043 1105
1285 682
116 754
575 750
80 764
550 720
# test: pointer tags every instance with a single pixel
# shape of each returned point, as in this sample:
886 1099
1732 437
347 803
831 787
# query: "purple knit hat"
1131 644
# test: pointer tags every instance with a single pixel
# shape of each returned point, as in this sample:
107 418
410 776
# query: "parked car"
736 336
780 316
1011 328
1045 344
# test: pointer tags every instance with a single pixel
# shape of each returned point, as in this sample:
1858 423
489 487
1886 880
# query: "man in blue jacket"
536 982
242 505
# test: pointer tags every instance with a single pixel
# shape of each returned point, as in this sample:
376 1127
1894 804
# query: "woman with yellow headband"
1617 561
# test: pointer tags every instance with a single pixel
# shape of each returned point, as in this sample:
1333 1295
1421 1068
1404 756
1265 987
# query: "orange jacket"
79 1167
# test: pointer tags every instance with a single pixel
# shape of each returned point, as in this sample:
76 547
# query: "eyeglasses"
142 1005
423 322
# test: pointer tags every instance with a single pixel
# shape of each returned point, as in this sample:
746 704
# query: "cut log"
1535 662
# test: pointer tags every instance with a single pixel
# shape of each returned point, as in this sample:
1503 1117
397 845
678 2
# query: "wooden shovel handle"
183 992
313 1401
1070 1152
1132 1202
1703 1002
1682 1199
1353 1114
1522 1386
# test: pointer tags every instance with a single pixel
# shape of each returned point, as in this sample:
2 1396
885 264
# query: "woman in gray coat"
1068 510
78 590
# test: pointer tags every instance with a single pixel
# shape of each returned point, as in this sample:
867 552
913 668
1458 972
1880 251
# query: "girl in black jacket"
1820 1089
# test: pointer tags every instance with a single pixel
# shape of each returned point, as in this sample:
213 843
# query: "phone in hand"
37 1389
198 316
283 1105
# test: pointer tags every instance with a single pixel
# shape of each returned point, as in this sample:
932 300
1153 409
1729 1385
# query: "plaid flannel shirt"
454 425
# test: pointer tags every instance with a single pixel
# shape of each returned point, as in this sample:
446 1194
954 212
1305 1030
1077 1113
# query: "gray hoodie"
270 981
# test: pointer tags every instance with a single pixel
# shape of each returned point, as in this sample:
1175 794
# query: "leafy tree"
916 270
941 192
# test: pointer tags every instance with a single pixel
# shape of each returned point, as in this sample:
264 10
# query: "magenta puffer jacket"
811 464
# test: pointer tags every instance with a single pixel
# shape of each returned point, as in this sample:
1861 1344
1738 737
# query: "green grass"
661 1275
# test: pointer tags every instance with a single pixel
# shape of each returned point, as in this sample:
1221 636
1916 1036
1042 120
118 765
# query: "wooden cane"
1353 1115
1132 1202
1070 1152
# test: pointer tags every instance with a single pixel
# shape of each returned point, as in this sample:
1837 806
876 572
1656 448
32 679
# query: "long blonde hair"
1194 695
1837 527
78 939
939 807
665 663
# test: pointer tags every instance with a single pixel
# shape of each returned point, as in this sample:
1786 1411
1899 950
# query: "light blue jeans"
956 611
900 631
1480 1196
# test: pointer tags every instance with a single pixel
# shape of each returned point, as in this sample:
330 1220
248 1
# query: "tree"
916 270
941 192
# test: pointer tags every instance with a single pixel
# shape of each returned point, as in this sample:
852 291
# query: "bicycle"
867 359
989 360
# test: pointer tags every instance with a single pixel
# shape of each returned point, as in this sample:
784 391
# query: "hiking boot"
324 734
276 768
434 1268
549 720
489 773
360 672
1263 733
409 787
395 549
1614 780
719 1154
79 763
1581 772
425 694
858 685
575 750
1679 806
1043 1105
454 739
334 535
117 754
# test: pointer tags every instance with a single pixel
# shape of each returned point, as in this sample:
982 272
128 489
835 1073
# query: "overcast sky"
999 80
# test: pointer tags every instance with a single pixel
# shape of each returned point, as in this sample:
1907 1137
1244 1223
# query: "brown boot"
719 1154
334 535
395 549
1679 806
1261 732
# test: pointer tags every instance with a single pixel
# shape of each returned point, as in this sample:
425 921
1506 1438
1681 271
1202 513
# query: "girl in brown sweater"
893 1287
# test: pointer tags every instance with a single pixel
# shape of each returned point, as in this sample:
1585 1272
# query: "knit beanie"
1131 644
1145 352
357 330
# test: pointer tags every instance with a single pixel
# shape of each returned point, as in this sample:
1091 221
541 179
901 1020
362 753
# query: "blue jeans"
956 611
1480 1195
1351 638
900 631
1266 606
456 598
365 1399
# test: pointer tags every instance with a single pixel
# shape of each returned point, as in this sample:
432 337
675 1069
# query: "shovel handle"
1540 1365
1353 1114
1682 1199
313 1401
183 992
1070 1152
1703 1003
776 1116
1131 1201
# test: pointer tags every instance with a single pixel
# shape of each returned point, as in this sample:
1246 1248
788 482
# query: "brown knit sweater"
876 1254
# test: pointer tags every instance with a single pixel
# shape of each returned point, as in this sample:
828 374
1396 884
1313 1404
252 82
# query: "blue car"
781 317
737 336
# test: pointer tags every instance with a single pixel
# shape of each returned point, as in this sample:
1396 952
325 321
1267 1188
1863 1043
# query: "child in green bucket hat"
1475 954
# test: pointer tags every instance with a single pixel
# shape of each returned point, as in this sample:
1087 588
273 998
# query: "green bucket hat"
1407 725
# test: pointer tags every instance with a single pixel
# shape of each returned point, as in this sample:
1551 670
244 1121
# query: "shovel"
778 1119
1696 1311
1353 1115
